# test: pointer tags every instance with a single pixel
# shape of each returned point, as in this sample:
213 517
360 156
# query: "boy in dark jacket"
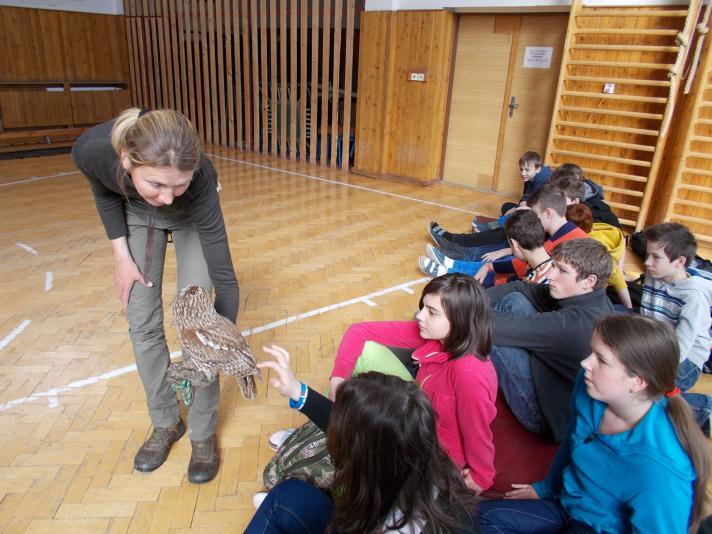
543 332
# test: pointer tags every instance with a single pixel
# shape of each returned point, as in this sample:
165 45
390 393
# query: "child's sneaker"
258 498
279 437
430 267
437 256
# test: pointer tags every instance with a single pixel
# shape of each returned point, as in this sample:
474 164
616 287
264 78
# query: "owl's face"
190 305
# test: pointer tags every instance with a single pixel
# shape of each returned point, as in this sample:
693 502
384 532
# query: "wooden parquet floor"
314 251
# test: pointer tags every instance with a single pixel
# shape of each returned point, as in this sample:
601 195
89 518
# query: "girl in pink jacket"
446 351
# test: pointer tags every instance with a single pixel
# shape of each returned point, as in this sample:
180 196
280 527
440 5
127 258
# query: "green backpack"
303 456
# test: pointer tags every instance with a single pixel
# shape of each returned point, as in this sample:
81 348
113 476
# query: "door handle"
512 105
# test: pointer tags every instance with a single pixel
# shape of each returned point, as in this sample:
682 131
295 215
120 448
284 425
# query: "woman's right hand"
283 379
126 273
521 491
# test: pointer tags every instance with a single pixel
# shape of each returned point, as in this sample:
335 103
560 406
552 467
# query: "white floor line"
52 394
28 248
353 186
35 178
12 335
48 280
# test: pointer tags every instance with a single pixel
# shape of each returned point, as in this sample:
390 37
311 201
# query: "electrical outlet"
413 77
421 76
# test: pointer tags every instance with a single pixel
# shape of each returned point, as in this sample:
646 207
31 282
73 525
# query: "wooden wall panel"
348 84
373 76
247 85
60 50
293 87
32 107
274 106
414 113
31 42
303 97
254 31
283 60
325 96
97 46
92 107
335 76
264 90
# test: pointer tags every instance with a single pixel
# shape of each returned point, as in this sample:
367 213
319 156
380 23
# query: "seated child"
632 459
593 194
445 255
671 295
534 175
610 237
542 332
445 349
391 475
449 344
549 205
526 237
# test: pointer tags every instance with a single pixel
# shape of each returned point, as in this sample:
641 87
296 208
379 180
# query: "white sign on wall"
538 57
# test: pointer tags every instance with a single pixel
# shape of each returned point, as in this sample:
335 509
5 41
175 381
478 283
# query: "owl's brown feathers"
211 344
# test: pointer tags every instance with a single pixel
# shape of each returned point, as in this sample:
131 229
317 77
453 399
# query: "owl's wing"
220 347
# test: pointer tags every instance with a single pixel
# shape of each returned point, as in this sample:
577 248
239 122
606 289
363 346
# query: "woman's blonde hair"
159 138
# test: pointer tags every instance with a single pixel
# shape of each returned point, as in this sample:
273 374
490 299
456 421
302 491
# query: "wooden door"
479 81
484 143
534 92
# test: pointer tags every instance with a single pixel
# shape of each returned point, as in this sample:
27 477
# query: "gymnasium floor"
314 250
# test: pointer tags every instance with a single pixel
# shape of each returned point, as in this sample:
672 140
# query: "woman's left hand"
471 484
285 382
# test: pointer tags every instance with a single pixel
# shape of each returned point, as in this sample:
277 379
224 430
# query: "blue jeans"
527 516
293 507
459 252
513 366
687 375
701 404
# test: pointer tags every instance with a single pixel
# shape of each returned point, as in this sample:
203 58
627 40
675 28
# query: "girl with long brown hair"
391 473
634 460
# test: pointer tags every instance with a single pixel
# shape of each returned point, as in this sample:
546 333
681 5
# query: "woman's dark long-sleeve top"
97 160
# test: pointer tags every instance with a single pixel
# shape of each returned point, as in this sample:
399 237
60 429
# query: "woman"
634 461
447 353
391 474
150 178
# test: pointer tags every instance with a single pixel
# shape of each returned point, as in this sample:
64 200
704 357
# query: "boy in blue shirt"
534 174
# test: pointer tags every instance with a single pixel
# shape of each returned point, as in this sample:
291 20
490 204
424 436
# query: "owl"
211 345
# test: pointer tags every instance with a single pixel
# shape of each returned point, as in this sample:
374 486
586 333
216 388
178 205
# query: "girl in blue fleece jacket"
634 460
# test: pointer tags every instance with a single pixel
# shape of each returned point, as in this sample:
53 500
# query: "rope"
702 30
683 40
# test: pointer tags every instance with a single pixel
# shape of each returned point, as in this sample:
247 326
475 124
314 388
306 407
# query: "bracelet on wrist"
299 403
